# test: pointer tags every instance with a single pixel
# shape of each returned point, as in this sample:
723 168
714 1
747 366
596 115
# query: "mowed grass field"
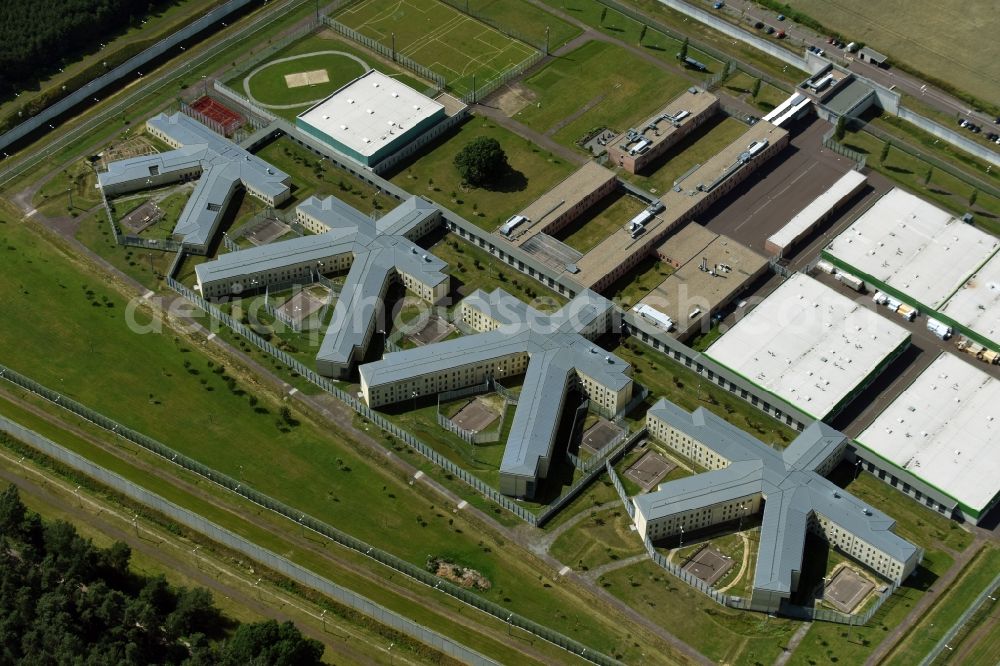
951 40
533 172
68 330
526 20
319 50
439 37
598 84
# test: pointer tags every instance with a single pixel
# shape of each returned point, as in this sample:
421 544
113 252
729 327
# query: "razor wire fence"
239 544
308 522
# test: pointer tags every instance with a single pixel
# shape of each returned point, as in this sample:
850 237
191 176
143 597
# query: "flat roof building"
924 256
555 353
745 475
635 149
815 213
374 253
565 202
219 165
622 251
706 279
810 346
371 117
944 430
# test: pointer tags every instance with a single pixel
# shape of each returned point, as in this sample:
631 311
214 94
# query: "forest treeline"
63 600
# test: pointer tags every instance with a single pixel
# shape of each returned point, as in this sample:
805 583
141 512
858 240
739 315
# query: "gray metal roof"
787 481
222 163
555 346
376 256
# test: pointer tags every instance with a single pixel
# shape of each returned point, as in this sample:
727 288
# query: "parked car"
719 5
781 17
759 25
811 49
769 30
963 122
780 34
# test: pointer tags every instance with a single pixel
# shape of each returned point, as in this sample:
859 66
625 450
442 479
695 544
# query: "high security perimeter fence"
790 610
237 543
121 71
240 488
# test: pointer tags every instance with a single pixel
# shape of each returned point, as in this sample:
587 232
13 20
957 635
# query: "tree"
885 151
841 129
271 643
973 197
642 33
604 13
756 89
481 161
927 176
683 53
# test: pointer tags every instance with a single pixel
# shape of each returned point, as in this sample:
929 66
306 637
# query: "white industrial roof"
808 344
977 304
914 247
820 206
370 112
945 429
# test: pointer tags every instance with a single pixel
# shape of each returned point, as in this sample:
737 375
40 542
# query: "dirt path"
597 572
920 609
105 518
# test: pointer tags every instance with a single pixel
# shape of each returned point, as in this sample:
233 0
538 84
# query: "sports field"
598 84
302 79
951 40
439 37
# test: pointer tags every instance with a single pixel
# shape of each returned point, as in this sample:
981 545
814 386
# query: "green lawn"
587 231
637 283
731 544
943 189
601 538
768 97
313 175
439 37
722 635
695 149
526 20
597 85
269 85
979 573
668 379
53 198
433 174
473 268
628 30
165 386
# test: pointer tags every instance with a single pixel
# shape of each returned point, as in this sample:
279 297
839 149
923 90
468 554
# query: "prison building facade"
375 253
746 477
555 353
220 167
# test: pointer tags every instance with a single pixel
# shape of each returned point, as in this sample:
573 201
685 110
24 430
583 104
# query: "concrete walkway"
597 572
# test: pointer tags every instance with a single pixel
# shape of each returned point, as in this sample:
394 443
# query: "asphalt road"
911 85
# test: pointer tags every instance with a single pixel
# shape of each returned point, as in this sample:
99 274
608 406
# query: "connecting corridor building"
747 476
375 255
554 352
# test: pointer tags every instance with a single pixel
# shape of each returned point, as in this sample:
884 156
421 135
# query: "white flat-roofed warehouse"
924 256
371 117
944 430
810 346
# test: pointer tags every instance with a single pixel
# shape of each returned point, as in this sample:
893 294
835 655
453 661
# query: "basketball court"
476 416
708 564
599 435
268 232
649 469
847 589
142 217
435 330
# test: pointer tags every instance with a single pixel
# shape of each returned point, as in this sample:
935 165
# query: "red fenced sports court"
212 109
